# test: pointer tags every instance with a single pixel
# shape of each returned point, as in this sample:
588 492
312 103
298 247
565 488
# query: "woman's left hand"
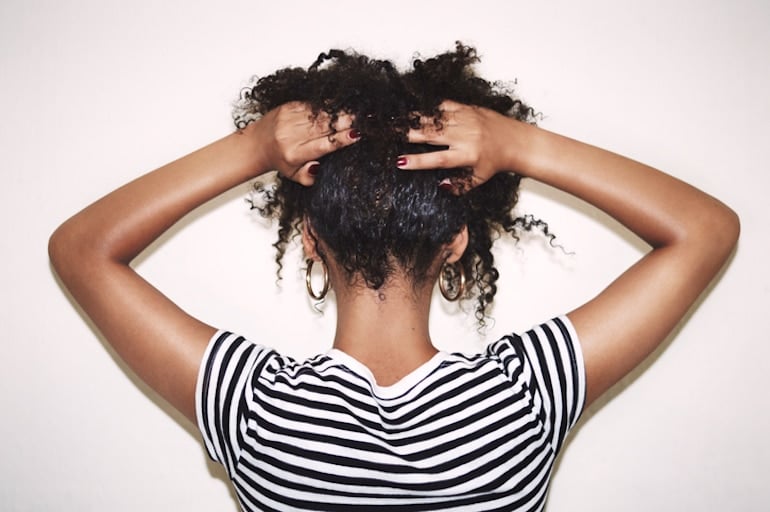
475 137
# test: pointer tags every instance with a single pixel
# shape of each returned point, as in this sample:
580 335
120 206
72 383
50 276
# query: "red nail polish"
354 134
401 161
313 169
446 186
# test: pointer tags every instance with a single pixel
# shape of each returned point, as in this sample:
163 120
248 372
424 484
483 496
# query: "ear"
309 241
455 249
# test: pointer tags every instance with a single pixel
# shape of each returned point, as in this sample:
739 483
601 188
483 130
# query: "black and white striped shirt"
463 433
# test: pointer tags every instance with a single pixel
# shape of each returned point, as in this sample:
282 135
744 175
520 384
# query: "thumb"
306 174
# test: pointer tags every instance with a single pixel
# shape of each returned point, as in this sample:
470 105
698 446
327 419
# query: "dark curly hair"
375 218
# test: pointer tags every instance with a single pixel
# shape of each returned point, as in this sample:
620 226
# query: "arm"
691 233
92 250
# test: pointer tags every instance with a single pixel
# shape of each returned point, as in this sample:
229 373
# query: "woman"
395 181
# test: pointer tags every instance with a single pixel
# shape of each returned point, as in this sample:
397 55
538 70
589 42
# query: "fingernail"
313 169
401 161
354 134
446 185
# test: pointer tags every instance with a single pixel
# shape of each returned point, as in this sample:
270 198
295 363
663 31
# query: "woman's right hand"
292 139
91 251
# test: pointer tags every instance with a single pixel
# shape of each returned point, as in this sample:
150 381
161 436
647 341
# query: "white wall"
92 93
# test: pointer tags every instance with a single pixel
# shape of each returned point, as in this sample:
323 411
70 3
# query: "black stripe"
578 392
219 412
205 386
559 400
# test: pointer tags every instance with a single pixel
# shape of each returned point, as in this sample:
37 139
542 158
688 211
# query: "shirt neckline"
396 389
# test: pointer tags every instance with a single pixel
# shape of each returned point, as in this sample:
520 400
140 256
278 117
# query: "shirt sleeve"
549 360
222 397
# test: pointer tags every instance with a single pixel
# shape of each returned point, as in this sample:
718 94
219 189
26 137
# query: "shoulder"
554 341
547 358
229 354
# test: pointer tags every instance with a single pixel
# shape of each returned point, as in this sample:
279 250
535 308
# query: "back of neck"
386 330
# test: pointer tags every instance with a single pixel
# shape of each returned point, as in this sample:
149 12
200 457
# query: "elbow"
729 226
60 248
719 231
709 232
69 248
736 224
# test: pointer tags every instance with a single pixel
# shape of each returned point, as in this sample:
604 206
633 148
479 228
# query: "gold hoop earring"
445 278
309 281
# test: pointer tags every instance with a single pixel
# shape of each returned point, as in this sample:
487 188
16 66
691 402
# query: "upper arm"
634 314
161 343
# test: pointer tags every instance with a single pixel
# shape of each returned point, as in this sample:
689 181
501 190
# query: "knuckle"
333 141
291 155
441 159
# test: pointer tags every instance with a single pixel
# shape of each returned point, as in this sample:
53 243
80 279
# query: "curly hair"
374 218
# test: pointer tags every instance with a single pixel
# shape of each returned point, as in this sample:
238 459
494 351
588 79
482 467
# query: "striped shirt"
461 433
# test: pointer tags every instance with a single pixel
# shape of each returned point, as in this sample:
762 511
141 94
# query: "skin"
392 320
690 232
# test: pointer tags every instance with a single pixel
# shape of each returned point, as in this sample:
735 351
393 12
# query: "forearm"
659 208
91 251
691 233
121 224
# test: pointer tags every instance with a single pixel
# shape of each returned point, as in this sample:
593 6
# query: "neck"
386 329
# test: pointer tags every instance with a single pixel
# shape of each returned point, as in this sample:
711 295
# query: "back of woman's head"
374 218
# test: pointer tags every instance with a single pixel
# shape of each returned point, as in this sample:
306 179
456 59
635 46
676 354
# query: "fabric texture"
464 433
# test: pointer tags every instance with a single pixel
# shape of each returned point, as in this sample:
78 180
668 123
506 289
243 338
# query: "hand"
476 137
292 139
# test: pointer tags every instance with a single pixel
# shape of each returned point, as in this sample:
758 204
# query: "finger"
436 160
306 174
458 185
420 136
417 136
344 122
317 147
448 119
430 124
447 185
322 124
450 106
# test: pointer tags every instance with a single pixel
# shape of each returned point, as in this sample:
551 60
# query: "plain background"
95 92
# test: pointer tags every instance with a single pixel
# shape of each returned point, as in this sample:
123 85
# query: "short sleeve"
548 360
222 394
